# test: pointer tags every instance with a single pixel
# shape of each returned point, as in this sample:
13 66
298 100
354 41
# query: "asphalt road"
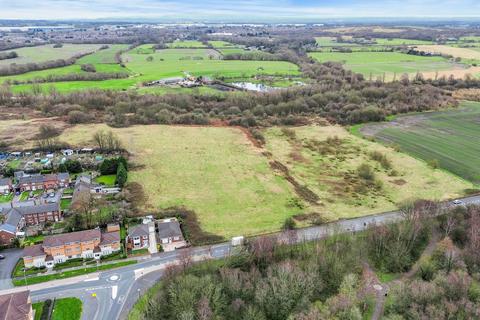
110 295
7 265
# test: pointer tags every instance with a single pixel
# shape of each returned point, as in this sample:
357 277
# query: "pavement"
111 294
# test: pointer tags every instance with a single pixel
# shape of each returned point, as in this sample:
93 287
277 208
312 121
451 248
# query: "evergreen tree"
121 175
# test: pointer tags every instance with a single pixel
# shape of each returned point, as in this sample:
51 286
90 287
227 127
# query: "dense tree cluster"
8 55
273 279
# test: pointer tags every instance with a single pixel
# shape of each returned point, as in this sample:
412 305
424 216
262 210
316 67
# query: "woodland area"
330 279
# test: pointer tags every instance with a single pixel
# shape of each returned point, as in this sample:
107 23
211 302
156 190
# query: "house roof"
37 178
110 237
33 251
13 217
63 176
169 228
138 230
15 306
5 181
48 207
8 228
80 236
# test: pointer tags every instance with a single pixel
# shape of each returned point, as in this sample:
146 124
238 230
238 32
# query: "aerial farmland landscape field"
240 160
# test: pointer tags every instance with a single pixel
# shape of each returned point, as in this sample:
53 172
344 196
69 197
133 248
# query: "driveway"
7 265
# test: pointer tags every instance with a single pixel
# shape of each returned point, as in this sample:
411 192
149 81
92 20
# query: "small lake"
258 87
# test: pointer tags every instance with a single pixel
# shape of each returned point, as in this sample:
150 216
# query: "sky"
235 10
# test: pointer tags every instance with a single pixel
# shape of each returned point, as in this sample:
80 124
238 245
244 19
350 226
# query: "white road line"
92 279
114 292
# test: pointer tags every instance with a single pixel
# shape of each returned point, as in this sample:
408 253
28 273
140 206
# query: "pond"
259 87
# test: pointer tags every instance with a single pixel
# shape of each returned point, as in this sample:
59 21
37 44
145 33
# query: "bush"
88 68
289 224
366 172
73 166
76 116
433 163
46 309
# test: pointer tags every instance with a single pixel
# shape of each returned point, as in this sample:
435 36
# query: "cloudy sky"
234 10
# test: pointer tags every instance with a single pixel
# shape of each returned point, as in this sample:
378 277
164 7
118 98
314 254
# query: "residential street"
111 294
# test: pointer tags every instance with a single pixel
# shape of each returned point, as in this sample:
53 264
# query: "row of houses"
95 243
81 244
26 182
14 219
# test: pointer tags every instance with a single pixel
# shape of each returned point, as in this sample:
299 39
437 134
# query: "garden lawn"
67 309
332 175
65 203
38 308
449 137
107 180
70 273
24 195
6 197
379 63
214 171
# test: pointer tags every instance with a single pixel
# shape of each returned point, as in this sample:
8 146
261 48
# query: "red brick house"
14 219
42 182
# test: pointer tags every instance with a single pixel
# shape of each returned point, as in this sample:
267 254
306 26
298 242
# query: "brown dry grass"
456 52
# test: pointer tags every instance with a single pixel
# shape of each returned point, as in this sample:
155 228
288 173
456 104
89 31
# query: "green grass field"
48 52
166 63
67 309
186 44
331 42
214 171
103 56
378 63
400 41
221 44
450 137
75 68
329 170
200 62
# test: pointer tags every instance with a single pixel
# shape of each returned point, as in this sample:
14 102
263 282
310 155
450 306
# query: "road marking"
92 279
114 292
138 273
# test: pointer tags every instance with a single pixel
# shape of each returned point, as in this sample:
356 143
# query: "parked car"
457 202
2 257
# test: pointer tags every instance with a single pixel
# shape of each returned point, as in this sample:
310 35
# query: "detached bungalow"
170 234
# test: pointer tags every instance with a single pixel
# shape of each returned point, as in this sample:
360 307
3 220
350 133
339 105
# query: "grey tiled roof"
169 229
5 181
138 230
33 251
110 237
48 207
61 239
